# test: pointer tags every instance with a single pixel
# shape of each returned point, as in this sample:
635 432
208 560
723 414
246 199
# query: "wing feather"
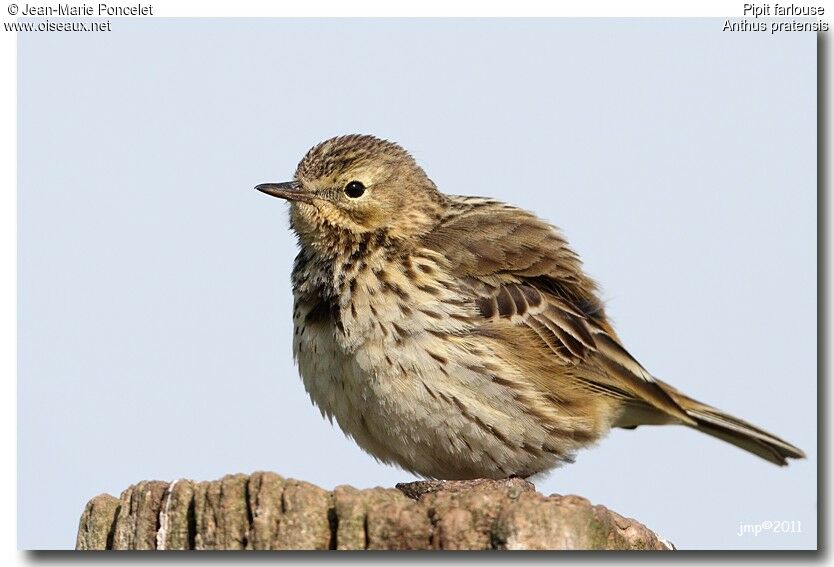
520 271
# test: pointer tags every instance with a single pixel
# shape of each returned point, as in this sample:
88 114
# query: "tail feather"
718 424
744 435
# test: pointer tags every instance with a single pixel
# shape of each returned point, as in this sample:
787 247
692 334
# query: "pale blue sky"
155 306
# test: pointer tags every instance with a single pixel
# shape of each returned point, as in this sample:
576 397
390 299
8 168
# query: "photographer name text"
87 10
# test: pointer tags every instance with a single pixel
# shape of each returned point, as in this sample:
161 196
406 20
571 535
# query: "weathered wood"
265 511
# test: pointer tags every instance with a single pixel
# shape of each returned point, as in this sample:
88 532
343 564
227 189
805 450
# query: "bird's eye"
354 189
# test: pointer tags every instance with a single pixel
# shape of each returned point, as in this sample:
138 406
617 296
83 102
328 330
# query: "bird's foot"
419 488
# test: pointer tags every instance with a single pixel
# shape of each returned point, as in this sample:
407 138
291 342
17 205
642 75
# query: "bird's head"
348 186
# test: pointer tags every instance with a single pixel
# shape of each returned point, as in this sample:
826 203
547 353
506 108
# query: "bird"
458 337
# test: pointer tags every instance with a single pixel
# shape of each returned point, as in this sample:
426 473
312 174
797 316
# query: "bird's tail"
721 425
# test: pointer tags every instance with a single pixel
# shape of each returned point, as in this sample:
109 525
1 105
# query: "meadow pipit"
458 337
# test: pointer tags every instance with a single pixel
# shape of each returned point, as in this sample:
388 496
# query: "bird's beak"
291 191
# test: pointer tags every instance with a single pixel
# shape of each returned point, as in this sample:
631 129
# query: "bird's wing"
521 272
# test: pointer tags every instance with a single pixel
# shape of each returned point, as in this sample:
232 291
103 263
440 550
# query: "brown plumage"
458 336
